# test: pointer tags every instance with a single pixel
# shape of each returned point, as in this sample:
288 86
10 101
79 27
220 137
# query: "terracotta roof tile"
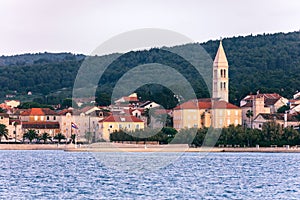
121 118
278 116
206 104
38 112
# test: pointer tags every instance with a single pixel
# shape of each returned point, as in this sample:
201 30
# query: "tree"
45 136
249 115
66 103
73 137
30 135
27 105
59 137
103 99
88 136
3 132
283 108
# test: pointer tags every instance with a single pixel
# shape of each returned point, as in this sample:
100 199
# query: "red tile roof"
206 104
38 112
269 99
130 99
121 118
278 116
65 111
266 96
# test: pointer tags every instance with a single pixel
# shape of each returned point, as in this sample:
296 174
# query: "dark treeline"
271 134
268 62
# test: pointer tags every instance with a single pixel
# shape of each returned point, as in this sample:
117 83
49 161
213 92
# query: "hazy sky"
30 26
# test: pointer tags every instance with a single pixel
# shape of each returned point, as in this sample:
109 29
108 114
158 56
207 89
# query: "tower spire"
220 74
220 56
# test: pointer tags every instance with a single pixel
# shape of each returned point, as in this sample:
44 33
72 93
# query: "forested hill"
268 63
30 59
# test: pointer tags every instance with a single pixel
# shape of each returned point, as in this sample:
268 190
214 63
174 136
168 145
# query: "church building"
216 111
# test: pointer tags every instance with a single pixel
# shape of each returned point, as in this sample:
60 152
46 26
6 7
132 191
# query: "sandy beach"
117 147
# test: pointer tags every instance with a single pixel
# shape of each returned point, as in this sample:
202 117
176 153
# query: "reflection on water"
66 175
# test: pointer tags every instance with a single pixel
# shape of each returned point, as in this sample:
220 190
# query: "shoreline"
117 147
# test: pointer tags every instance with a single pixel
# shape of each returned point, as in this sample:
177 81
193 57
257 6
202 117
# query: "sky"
33 26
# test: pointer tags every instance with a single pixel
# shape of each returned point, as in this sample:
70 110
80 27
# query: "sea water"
75 175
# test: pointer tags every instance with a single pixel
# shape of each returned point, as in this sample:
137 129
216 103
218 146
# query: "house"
260 103
294 105
295 109
119 122
12 103
131 99
160 118
14 130
87 124
149 104
284 120
296 95
40 119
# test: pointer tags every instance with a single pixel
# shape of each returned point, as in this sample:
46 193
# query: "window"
236 122
224 85
224 73
220 112
137 126
48 117
221 72
110 126
221 84
35 118
120 126
54 118
221 122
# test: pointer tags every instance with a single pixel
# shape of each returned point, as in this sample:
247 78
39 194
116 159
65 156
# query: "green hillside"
268 63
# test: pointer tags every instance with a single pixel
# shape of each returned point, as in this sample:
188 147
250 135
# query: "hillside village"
128 113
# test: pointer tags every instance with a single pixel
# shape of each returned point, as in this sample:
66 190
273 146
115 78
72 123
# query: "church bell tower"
220 75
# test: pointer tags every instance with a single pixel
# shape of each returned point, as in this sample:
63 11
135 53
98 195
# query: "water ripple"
65 175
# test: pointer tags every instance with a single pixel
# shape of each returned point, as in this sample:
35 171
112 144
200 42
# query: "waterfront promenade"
118 147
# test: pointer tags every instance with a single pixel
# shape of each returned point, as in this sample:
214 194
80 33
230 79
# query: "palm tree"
249 114
59 137
45 137
30 135
3 132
